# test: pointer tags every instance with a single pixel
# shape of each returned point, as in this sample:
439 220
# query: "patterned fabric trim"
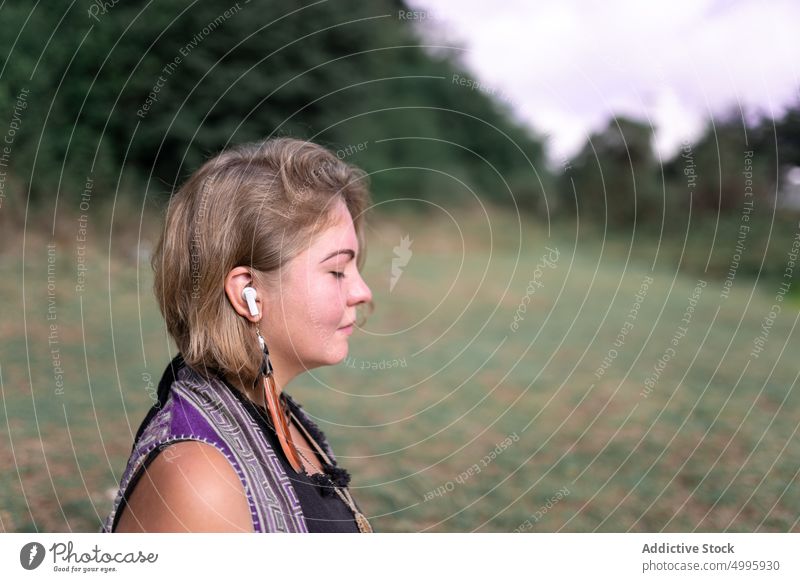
205 410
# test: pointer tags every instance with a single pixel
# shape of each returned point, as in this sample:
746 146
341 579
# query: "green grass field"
711 444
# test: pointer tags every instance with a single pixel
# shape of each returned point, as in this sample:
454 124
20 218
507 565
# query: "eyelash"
337 274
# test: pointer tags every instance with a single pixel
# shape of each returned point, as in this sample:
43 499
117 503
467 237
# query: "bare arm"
188 487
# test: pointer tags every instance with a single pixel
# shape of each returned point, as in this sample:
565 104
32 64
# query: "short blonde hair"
256 205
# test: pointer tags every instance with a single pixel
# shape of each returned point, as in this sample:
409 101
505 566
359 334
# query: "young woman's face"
311 312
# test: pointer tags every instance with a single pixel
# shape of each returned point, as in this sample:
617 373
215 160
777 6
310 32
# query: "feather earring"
276 411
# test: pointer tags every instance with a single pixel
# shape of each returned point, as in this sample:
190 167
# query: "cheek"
324 306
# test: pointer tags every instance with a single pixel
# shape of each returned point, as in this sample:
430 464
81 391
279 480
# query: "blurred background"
583 249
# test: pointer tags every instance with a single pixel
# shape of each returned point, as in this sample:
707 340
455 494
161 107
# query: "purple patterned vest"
192 407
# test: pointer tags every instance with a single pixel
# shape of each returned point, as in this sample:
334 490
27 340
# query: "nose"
359 291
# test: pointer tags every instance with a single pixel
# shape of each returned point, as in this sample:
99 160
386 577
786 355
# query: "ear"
235 281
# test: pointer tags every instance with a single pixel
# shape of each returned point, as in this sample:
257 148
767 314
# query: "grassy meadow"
487 423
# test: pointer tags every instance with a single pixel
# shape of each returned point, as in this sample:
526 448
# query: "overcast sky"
566 65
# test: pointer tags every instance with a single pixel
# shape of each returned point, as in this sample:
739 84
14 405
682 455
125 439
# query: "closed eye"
337 274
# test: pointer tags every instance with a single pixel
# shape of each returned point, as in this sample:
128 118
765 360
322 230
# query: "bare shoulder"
189 487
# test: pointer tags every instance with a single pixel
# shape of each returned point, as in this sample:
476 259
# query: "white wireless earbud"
249 295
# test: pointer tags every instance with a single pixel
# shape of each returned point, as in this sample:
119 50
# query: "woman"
257 276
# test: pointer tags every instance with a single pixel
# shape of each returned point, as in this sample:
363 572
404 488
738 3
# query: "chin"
336 355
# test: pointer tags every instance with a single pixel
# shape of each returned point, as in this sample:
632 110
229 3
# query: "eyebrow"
350 252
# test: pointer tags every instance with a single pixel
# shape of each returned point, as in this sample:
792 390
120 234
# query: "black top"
323 509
